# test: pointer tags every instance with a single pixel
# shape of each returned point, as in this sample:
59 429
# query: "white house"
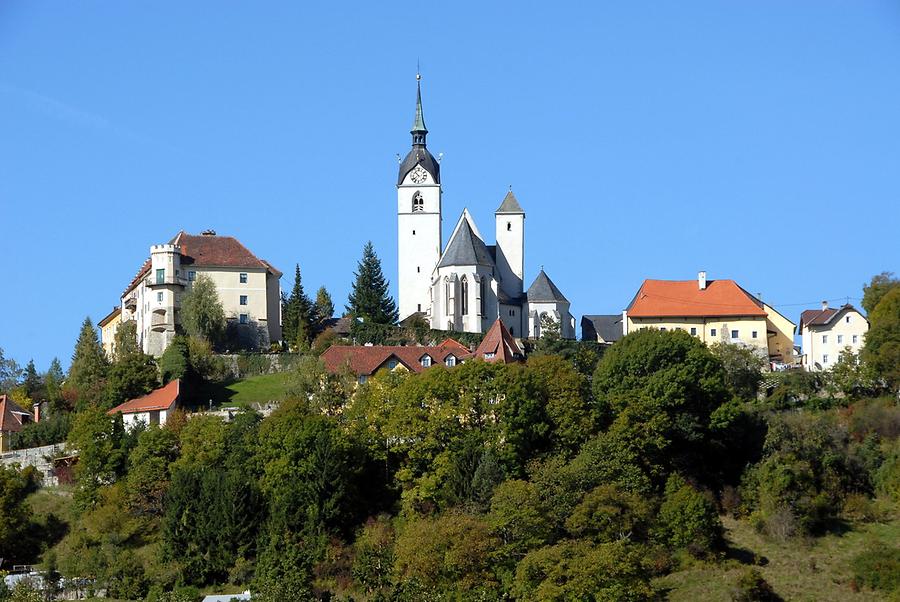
248 288
152 409
469 284
825 332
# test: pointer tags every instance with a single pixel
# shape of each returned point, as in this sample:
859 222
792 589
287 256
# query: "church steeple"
419 131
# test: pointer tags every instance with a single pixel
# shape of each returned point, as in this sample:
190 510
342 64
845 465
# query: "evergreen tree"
201 311
53 381
125 340
324 305
9 373
89 364
31 381
298 314
174 362
369 298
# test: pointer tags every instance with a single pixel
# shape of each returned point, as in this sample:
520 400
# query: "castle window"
418 268
159 297
712 332
418 202
464 293
192 275
244 319
734 334
414 232
243 300
243 278
693 331
160 276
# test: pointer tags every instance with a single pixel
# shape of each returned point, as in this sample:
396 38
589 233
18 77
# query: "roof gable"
607 327
684 298
368 359
12 416
498 345
162 398
827 316
466 246
543 290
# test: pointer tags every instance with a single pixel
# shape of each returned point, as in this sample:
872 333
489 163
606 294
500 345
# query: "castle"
467 285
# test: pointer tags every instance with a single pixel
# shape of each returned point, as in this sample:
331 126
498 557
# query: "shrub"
688 519
878 567
751 587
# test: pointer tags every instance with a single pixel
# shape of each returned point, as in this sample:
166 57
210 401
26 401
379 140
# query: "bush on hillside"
751 587
878 567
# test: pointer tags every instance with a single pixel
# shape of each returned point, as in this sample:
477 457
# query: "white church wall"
419 240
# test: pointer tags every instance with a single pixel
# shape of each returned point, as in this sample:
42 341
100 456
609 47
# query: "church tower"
510 236
418 218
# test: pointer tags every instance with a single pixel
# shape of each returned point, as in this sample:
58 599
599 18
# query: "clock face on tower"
418 175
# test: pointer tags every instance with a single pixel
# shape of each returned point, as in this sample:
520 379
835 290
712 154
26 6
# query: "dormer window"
418 202
450 360
425 361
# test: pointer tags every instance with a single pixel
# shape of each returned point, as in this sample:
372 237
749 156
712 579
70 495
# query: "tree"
102 453
31 380
882 348
89 364
369 299
148 474
53 380
743 368
298 313
877 288
324 305
201 311
125 341
130 376
687 519
15 514
174 362
9 373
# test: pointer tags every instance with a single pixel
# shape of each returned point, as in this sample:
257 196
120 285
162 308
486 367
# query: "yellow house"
108 327
714 311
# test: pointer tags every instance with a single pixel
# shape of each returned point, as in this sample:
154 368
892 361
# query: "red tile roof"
499 345
12 416
210 250
684 298
366 360
160 399
821 317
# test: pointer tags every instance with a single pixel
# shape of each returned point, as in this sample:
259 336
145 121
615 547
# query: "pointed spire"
419 131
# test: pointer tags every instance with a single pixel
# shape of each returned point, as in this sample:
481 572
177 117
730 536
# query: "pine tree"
324 305
297 312
89 365
125 340
369 298
53 381
31 381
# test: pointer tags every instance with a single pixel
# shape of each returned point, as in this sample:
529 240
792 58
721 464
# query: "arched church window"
509 226
418 202
464 293
481 288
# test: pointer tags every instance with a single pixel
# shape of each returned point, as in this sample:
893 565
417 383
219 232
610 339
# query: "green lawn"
814 570
244 392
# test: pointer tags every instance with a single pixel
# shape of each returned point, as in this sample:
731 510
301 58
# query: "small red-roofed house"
365 360
714 311
12 419
153 408
499 345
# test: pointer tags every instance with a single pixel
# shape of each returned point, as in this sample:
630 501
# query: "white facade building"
248 288
825 333
468 285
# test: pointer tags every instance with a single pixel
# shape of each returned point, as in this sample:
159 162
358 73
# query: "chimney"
701 280
37 411
824 305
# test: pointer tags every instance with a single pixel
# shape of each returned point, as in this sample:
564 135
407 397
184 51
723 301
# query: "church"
467 285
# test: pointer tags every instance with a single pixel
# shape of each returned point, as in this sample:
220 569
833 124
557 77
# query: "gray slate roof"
509 204
543 290
420 155
608 327
465 248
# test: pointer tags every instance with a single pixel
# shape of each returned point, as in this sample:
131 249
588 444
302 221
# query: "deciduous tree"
201 311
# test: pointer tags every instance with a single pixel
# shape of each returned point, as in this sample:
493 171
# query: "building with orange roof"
365 360
826 332
715 311
12 419
499 345
152 408
248 287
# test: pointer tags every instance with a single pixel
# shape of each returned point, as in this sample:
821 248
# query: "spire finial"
418 129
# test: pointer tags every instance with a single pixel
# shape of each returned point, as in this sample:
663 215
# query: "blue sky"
759 141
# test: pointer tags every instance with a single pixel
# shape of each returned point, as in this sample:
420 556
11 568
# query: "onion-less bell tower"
418 218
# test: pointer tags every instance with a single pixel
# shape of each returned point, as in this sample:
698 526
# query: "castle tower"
510 237
418 219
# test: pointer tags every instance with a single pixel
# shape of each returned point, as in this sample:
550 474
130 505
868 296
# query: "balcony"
152 281
160 322
131 302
